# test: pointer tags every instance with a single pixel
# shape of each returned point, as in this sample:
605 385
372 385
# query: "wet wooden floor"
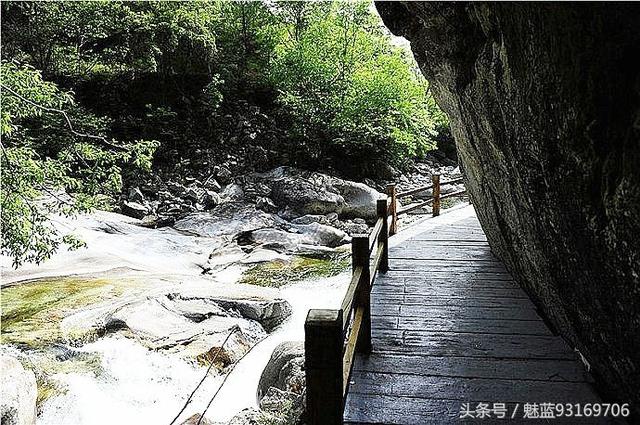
449 327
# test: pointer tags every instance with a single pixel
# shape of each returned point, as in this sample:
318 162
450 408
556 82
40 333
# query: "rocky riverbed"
192 274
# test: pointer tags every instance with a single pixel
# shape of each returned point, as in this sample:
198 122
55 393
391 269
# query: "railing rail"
435 199
333 337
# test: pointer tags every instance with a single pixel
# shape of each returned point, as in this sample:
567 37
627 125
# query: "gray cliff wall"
543 102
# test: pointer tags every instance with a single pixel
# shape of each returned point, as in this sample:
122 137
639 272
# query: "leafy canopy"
47 155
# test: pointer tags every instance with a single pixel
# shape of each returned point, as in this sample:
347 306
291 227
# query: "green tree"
351 93
54 161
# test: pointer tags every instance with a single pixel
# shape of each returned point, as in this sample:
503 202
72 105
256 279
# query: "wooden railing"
435 199
332 337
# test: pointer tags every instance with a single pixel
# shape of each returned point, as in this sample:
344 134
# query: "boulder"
210 199
227 219
360 200
222 173
212 184
312 218
232 193
305 197
194 321
269 313
195 194
134 209
285 369
194 328
281 389
311 193
353 228
19 393
252 416
323 235
176 189
266 204
302 234
135 195
286 405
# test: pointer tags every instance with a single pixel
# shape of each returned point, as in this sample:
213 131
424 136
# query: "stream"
151 386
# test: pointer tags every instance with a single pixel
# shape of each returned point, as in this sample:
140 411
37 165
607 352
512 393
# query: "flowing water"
138 385
240 389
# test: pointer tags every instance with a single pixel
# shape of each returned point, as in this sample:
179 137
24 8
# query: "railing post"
393 209
323 346
384 235
435 206
360 256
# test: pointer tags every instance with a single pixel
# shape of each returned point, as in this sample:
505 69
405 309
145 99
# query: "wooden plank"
441 290
423 248
444 277
384 322
463 312
432 264
471 344
453 267
471 367
370 409
467 389
437 278
415 282
487 326
476 236
440 300
468 312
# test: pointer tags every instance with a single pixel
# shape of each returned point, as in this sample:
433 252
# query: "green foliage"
51 164
320 85
351 93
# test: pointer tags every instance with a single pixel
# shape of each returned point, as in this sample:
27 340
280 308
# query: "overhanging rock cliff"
543 102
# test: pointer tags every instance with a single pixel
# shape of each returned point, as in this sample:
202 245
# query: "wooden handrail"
332 337
435 199
415 206
427 187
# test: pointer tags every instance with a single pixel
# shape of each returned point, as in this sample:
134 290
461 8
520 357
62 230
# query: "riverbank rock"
19 392
359 199
306 195
228 219
285 369
313 193
252 416
303 234
281 389
196 322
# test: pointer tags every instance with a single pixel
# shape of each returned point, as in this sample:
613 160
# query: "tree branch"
100 139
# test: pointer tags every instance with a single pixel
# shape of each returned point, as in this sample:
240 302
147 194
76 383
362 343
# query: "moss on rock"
280 272
32 311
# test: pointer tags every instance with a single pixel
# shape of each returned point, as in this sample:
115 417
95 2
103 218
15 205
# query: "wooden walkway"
450 326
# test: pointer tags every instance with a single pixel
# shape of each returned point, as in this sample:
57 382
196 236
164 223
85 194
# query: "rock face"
281 389
19 391
313 193
543 103
285 369
197 322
